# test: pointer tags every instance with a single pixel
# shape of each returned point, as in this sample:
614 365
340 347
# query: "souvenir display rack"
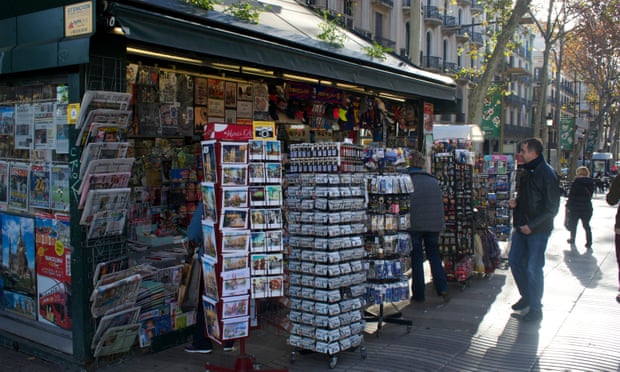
388 244
494 182
326 219
453 167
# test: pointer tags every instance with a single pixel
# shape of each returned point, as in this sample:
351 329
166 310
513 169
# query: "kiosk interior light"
300 78
392 97
326 82
350 87
226 67
172 57
118 31
257 71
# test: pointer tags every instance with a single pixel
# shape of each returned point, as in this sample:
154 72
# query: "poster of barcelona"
17 284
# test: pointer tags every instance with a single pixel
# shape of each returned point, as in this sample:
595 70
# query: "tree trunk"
478 93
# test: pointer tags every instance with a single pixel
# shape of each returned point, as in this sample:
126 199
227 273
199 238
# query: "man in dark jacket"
427 221
579 205
536 205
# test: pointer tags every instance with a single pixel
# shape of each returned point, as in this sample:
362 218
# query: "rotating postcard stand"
229 225
388 243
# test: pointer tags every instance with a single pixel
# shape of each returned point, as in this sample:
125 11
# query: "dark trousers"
573 220
426 241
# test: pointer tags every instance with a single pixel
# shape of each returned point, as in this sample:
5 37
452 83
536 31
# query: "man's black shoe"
521 304
533 316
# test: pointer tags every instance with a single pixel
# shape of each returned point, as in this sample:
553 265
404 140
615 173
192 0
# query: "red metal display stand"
243 363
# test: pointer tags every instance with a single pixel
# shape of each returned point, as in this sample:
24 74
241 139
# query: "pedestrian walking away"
535 206
613 197
579 205
427 221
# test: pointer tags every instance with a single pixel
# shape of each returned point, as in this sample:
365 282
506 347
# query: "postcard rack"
388 245
326 224
242 233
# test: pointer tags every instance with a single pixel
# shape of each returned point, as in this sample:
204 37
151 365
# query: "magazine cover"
18 186
61 128
39 186
4 184
53 271
18 265
60 187
7 119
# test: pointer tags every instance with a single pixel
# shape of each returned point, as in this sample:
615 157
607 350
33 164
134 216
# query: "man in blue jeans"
427 221
535 207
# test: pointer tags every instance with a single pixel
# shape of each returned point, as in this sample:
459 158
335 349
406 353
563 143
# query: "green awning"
185 33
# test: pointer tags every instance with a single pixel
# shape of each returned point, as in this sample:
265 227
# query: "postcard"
235 328
235 197
256 173
234 175
260 287
212 321
273 240
276 286
209 205
209 241
234 218
235 286
273 218
208 161
273 150
235 240
234 261
258 264
230 94
257 241
257 196
258 219
257 149
273 173
235 306
209 277
244 92
274 263
234 152
273 195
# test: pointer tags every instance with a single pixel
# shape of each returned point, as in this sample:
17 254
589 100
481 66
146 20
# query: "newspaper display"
100 100
115 319
24 117
115 295
44 130
105 150
98 181
104 200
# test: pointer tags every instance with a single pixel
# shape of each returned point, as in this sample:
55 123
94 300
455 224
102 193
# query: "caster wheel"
291 358
332 362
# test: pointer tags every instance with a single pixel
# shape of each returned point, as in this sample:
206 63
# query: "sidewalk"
475 331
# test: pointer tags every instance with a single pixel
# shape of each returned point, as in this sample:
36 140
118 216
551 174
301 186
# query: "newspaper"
99 100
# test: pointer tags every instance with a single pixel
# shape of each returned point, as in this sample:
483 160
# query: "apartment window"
348 7
378 25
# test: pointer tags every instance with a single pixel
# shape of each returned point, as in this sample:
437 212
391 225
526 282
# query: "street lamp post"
549 122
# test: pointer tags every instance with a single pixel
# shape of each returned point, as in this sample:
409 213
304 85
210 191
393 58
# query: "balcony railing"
449 21
476 37
386 43
433 62
432 13
386 3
